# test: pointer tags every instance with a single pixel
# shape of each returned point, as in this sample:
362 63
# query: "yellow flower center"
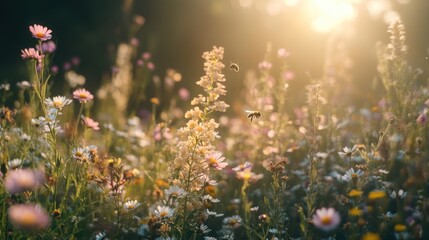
26 181
246 175
354 175
212 161
40 35
83 95
27 219
232 222
163 214
376 195
355 212
400 227
325 220
355 193
57 104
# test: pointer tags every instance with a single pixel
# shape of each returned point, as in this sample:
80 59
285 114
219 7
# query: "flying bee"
253 114
234 67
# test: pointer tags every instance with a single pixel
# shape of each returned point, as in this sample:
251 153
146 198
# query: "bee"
253 114
234 67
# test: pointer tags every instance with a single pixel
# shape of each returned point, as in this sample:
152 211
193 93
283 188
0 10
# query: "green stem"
75 130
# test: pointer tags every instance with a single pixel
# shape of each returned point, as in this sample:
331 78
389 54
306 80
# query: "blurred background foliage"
177 32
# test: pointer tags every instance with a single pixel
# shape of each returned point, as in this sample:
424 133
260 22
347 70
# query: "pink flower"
134 42
90 123
139 20
326 219
422 119
82 95
265 65
75 61
146 55
184 94
47 47
289 75
21 180
29 216
215 160
150 66
283 53
31 53
40 32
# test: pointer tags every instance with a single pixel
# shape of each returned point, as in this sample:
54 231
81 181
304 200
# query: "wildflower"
82 95
347 152
23 85
204 228
175 192
355 193
47 125
264 218
371 236
254 209
355 212
232 222
326 219
164 212
146 55
215 160
31 53
90 123
161 183
184 94
400 194
245 172
29 217
81 154
57 102
422 119
265 65
47 47
54 69
382 171
130 174
74 79
21 180
75 61
140 62
5 86
210 198
131 205
243 167
282 53
154 101
387 216
150 66
215 214
352 174
400 227
376 195
139 20
100 236
397 45
40 32
15 163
